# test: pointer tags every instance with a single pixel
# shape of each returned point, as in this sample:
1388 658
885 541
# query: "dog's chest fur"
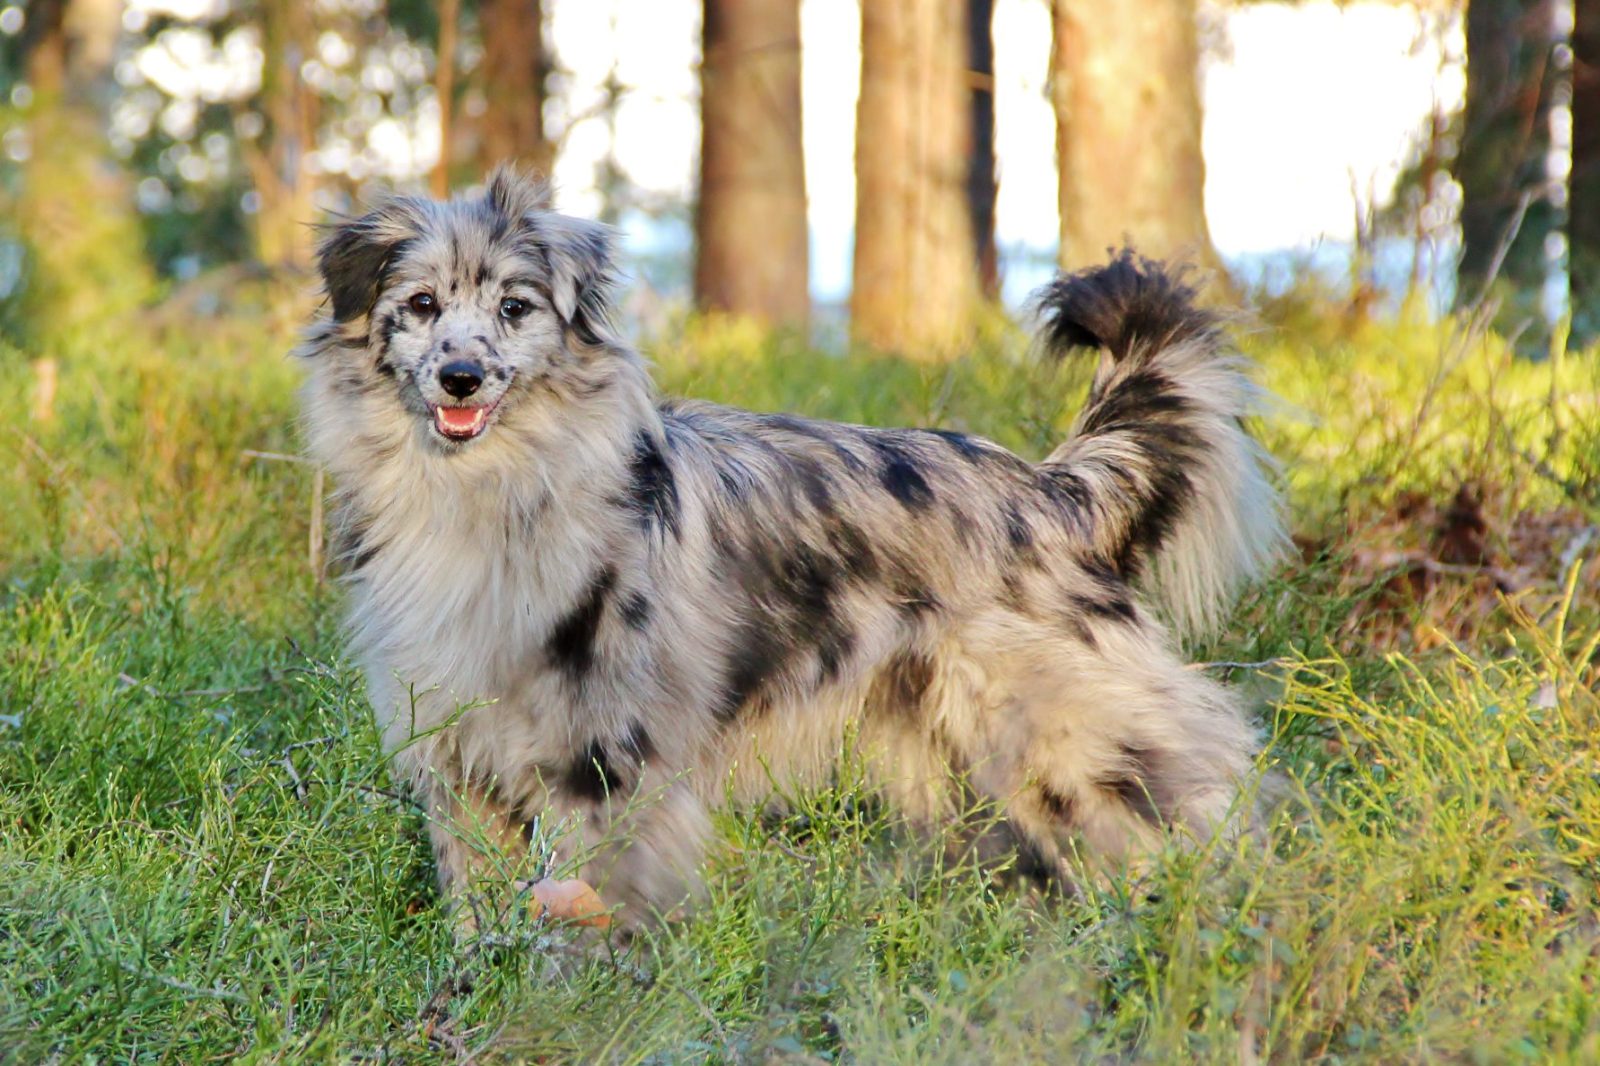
463 592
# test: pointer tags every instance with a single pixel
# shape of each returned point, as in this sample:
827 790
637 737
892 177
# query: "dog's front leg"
479 848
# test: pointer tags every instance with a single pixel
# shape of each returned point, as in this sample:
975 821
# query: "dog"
589 615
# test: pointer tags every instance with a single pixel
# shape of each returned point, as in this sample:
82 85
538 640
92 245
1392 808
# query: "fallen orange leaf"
573 901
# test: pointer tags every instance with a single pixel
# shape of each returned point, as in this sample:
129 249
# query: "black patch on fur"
902 685
814 483
1115 606
591 777
652 488
852 550
901 475
636 610
961 444
1060 807
1145 407
1137 788
1032 866
1131 302
571 644
1018 533
604 770
758 653
364 553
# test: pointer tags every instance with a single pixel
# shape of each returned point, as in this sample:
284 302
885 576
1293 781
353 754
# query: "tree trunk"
277 160
915 279
983 183
1126 92
444 90
514 68
1583 208
750 222
1504 141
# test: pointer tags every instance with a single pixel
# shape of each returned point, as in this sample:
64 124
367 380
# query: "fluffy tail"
1180 495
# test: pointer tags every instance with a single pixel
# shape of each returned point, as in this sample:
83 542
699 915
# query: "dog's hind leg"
1108 743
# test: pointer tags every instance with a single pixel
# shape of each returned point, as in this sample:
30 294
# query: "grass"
202 858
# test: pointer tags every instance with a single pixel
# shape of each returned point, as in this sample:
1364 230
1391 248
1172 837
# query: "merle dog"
588 613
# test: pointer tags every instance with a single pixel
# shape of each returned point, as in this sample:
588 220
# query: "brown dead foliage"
1428 568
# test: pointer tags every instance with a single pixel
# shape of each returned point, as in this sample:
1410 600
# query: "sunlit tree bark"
915 280
513 80
751 253
277 160
1126 93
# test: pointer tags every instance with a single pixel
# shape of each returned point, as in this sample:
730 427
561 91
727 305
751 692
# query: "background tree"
73 211
512 74
1124 82
983 182
1583 205
1504 141
278 159
915 282
751 254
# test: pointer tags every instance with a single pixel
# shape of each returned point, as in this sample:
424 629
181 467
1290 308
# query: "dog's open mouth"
461 423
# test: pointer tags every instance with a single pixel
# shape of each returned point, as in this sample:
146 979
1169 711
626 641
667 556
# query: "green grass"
202 858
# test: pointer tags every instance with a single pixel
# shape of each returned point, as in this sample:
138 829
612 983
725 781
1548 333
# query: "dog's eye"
423 303
512 307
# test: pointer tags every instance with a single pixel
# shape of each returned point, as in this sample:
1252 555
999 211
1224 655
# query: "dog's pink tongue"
460 419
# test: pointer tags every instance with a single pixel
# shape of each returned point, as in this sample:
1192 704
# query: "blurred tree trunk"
1583 210
277 159
1504 141
444 90
983 183
514 69
751 254
74 210
1125 85
915 277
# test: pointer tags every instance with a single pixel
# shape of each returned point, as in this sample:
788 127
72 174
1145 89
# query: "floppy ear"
352 257
583 272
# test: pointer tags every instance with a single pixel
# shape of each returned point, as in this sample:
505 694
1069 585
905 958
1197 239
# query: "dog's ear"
579 252
354 253
515 194
583 272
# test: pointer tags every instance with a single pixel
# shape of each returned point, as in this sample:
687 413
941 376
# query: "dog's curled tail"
1176 491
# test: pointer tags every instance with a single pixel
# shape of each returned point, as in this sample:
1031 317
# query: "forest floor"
203 857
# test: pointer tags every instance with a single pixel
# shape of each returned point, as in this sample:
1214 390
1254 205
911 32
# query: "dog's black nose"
460 379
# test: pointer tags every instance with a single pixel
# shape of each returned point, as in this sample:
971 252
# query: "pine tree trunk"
1504 141
277 160
751 254
983 184
1126 92
915 279
513 71
1583 208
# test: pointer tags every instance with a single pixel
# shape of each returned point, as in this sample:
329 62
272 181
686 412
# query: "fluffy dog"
588 613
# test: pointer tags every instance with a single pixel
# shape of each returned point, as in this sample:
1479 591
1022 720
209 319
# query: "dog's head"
463 308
